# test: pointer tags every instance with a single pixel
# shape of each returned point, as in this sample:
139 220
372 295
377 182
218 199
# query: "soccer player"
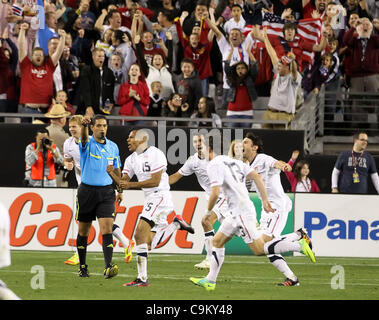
230 175
72 161
96 197
273 223
197 164
149 165
5 254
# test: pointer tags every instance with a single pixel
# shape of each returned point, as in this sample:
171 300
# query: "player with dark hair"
230 175
96 196
272 223
149 165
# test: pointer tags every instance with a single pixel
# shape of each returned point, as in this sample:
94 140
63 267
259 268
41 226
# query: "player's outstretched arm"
174 178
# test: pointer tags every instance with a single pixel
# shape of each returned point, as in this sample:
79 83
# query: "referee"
96 196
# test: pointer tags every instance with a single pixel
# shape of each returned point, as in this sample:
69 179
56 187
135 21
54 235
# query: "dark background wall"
279 144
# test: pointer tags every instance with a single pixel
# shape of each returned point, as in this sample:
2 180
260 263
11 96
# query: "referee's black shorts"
95 202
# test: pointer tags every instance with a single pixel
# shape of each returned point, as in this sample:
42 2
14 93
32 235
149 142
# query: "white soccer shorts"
244 226
221 209
273 223
156 208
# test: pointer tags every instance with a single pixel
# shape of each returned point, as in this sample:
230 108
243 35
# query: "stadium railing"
150 121
309 118
346 112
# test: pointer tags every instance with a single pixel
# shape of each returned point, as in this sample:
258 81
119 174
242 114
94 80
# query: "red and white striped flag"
307 29
17 11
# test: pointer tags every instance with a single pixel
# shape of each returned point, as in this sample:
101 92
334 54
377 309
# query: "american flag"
17 11
308 29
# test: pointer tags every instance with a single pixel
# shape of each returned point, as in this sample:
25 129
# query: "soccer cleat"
83 271
306 250
111 271
73 261
137 283
204 282
128 251
183 224
289 283
202 265
304 235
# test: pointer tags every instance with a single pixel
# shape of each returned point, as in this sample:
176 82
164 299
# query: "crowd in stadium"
160 58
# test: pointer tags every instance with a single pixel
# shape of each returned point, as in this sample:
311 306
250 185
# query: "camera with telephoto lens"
46 142
259 5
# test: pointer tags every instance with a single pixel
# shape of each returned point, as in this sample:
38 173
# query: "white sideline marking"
237 279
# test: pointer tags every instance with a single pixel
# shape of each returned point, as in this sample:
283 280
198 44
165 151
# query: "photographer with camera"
41 157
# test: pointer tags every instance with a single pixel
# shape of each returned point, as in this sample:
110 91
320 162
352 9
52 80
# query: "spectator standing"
8 84
158 70
166 24
237 21
133 96
353 168
48 30
241 78
37 74
364 66
198 47
156 100
282 102
175 108
239 44
207 110
299 178
188 85
96 85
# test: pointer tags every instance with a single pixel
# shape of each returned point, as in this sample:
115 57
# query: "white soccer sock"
218 255
119 235
208 243
294 236
279 263
280 246
164 233
141 251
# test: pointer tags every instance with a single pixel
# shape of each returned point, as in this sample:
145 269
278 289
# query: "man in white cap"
58 117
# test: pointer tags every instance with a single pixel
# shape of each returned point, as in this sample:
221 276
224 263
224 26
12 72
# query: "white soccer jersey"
5 253
264 165
71 150
231 174
143 165
198 166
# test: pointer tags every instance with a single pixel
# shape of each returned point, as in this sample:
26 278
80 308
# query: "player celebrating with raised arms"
197 164
149 165
230 175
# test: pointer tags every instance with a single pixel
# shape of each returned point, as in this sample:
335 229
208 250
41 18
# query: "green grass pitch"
241 278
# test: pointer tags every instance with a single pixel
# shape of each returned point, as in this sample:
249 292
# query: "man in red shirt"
37 74
319 8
